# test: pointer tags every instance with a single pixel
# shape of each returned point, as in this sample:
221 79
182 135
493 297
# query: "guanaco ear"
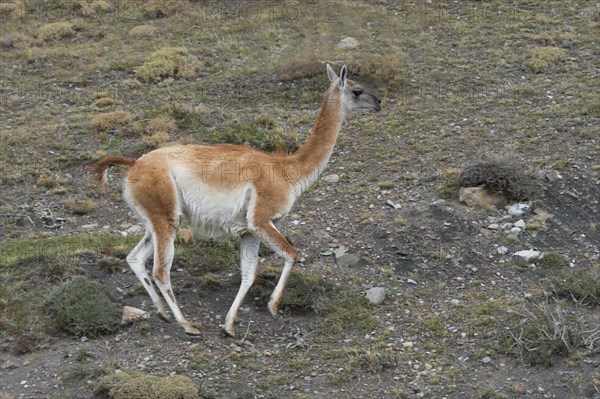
332 76
343 74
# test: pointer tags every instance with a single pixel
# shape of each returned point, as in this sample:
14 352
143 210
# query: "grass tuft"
143 31
582 286
56 31
174 62
109 121
143 386
80 207
542 59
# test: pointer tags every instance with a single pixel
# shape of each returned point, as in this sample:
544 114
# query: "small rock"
486 360
135 229
393 204
515 231
348 42
350 260
131 314
90 226
331 178
527 255
376 295
407 344
502 250
494 226
236 348
520 223
454 302
519 209
411 281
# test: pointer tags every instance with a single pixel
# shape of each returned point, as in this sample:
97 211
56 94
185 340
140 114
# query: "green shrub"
83 307
144 386
168 62
552 260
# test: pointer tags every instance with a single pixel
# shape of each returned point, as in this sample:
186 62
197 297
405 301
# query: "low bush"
83 307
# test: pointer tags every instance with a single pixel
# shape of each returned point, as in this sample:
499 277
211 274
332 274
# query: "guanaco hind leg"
248 267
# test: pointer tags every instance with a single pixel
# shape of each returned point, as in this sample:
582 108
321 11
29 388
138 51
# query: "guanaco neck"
313 155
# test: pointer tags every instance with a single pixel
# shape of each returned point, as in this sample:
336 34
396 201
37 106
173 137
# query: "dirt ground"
461 83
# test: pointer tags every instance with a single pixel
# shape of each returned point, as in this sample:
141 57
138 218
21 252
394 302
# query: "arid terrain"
512 85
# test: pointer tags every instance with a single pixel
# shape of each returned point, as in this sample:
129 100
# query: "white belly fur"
213 212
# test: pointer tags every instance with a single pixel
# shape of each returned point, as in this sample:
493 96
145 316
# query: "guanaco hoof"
164 317
192 331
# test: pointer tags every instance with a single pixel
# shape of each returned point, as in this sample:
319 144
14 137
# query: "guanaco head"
352 94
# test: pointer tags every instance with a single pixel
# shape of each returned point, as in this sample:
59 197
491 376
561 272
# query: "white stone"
376 295
502 250
131 314
135 229
90 226
519 209
494 226
515 231
331 178
411 281
520 223
347 42
528 255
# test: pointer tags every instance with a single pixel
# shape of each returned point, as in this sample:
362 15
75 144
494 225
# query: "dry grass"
143 31
78 207
110 121
103 102
542 59
175 62
56 31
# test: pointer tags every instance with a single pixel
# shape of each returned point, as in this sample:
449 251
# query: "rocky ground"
402 290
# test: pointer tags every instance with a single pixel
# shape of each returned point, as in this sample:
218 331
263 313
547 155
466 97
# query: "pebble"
494 226
502 250
376 295
519 209
515 231
407 344
331 178
90 226
393 204
454 302
347 42
350 260
527 255
486 360
520 223
411 281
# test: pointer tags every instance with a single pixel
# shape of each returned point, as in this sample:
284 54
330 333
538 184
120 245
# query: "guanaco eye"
357 92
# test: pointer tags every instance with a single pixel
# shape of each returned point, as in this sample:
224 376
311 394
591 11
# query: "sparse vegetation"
460 82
